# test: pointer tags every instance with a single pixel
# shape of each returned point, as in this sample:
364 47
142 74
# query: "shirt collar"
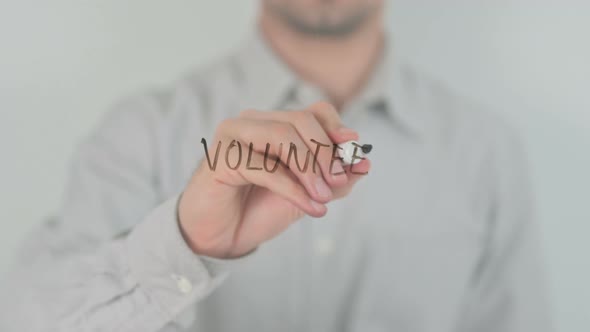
390 88
269 82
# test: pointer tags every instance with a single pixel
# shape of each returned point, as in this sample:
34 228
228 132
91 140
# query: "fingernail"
322 188
346 131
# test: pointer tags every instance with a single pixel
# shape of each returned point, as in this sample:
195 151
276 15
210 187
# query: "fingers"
279 149
330 120
283 183
281 140
315 137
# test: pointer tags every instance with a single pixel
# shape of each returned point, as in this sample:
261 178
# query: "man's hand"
227 213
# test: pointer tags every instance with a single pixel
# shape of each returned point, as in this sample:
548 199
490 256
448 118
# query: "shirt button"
324 246
183 284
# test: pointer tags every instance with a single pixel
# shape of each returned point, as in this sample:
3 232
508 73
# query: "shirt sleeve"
508 287
114 259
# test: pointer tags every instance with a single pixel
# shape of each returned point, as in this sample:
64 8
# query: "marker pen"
347 152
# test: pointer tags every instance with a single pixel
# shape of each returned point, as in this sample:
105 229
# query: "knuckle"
326 113
325 107
304 117
224 125
281 129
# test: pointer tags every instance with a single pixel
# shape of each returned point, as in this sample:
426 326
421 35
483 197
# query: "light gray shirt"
437 237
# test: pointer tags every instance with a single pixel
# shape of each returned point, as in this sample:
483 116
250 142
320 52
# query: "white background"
63 62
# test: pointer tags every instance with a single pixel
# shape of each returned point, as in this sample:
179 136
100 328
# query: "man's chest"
403 244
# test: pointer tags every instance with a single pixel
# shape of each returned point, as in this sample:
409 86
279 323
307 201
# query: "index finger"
329 118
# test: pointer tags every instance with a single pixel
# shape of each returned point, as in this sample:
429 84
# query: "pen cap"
347 151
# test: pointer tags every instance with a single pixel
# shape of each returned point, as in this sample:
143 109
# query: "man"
155 235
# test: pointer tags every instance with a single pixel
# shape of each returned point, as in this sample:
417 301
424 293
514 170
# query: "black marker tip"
366 148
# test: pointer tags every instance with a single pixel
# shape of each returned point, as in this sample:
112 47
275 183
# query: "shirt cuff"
166 268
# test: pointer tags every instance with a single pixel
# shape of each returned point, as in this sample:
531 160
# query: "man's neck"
340 66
